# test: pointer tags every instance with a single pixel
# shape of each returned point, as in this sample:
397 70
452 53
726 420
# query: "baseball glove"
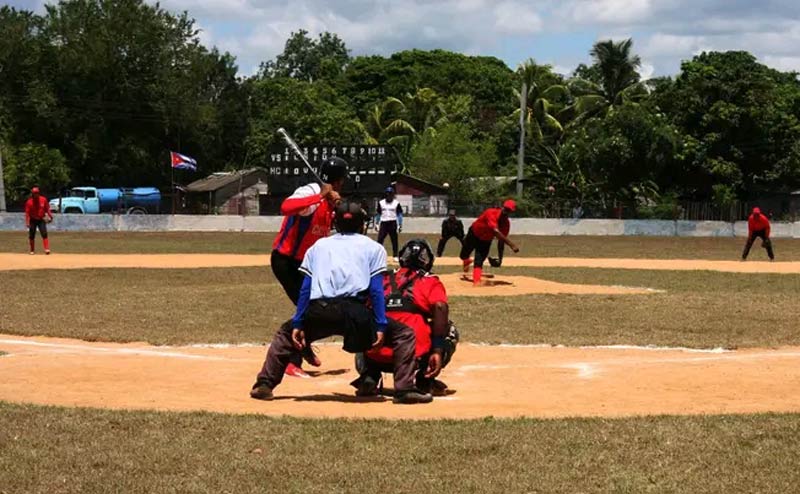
495 262
47 219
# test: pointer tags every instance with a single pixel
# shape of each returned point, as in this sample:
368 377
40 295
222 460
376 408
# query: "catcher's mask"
349 217
417 254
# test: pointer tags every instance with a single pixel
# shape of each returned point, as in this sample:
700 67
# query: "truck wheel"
73 211
136 211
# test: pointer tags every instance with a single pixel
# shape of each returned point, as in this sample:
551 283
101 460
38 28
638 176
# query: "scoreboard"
371 167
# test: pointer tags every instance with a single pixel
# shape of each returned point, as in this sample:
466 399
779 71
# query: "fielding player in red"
758 226
37 215
308 216
493 223
417 299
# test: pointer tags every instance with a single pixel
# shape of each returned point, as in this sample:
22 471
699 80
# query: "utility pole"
2 185
523 112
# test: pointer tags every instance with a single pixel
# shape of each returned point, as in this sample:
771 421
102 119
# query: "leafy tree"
451 156
309 59
33 165
741 122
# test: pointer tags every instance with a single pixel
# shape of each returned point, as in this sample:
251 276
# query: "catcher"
415 298
37 215
758 226
492 223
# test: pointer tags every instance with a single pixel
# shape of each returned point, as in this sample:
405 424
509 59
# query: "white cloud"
515 18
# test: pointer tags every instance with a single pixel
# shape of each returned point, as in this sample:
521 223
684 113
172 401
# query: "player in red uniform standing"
417 299
308 216
493 223
37 215
758 226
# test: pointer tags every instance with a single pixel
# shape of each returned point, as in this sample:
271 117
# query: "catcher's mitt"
47 219
495 262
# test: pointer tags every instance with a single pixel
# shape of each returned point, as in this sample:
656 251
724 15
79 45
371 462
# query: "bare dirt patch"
509 286
502 381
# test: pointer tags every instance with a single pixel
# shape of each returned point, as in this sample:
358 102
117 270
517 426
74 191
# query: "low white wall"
520 226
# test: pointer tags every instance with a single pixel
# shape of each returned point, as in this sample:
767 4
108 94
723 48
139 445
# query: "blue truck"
91 200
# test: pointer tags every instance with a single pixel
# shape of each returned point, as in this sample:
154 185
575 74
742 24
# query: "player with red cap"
37 215
493 223
758 226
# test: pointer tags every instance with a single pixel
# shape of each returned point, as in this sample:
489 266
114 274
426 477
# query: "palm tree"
619 83
404 123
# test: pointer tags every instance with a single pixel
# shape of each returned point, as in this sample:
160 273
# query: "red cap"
35 190
511 205
756 210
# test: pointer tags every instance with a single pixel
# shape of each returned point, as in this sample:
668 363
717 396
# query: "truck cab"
81 200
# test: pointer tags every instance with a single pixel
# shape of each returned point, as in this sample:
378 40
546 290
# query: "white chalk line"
67 348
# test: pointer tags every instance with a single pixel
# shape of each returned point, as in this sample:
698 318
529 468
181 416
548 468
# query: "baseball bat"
299 153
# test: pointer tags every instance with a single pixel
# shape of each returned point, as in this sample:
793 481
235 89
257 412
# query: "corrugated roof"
216 181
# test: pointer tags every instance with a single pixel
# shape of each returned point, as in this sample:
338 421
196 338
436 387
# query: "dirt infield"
510 286
501 381
179 261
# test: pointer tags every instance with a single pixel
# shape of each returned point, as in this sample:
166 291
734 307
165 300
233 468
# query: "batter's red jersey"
307 218
37 210
757 222
427 291
492 218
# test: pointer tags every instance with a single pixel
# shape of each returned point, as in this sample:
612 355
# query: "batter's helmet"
349 217
333 169
417 254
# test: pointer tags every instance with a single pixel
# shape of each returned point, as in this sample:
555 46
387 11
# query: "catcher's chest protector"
399 293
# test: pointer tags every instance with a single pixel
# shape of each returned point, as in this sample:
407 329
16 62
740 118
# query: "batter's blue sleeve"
378 302
302 303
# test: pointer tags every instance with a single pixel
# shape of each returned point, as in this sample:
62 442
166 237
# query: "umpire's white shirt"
342 265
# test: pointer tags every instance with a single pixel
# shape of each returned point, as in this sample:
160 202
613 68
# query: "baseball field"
587 364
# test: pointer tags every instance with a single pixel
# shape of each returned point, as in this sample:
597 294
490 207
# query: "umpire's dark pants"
474 244
388 228
443 243
41 225
287 270
352 319
766 242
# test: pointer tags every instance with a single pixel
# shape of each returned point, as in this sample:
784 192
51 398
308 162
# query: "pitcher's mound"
499 286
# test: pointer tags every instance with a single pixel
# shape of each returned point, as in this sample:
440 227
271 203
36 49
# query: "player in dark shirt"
452 227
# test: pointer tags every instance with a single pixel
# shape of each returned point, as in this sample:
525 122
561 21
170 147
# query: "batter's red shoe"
295 371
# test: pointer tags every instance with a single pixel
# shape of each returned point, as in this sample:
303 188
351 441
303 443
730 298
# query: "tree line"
98 92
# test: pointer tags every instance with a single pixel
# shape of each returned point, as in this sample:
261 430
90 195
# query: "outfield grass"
697 309
49 450
532 246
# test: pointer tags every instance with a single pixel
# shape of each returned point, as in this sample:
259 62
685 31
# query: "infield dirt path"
181 261
501 381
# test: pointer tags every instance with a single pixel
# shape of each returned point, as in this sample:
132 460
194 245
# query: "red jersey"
426 291
307 218
37 210
757 222
492 218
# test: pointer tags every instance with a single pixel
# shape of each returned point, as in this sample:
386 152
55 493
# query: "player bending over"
758 226
415 298
308 215
343 275
494 222
451 227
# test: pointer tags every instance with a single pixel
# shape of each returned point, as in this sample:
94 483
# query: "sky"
559 33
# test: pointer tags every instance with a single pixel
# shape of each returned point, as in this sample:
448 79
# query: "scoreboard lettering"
371 167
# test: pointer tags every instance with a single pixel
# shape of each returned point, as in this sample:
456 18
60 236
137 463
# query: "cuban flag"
182 162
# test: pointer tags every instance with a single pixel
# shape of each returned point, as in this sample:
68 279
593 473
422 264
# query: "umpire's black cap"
350 217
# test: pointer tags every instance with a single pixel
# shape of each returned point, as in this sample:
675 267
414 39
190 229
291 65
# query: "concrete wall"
520 226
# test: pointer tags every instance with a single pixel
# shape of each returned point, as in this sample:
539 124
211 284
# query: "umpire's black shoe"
261 392
368 387
411 397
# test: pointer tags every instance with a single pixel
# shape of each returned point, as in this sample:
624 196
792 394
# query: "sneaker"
411 397
311 357
33 253
295 371
438 388
47 252
261 392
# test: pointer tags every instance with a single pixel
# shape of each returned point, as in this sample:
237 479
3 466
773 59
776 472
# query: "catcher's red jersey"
427 291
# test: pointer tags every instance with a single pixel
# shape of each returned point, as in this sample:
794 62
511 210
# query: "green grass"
54 450
532 246
698 309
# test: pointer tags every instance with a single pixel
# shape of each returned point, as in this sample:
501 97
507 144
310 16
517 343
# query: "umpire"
452 227
343 273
